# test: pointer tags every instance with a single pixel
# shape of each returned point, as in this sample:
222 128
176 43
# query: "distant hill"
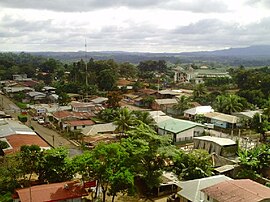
249 56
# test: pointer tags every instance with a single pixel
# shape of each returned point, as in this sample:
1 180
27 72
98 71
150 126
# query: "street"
53 138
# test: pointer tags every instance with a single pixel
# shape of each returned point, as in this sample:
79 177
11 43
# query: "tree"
109 164
193 165
148 101
182 104
228 103
125 120
114 97
199 91
128 70
22 118
144 117
63 99
107 79
144 147
55 166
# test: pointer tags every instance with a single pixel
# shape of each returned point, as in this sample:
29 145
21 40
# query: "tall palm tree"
124 121
228 103
183 103
144 117
199 91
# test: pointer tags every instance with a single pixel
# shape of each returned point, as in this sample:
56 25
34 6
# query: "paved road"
49 135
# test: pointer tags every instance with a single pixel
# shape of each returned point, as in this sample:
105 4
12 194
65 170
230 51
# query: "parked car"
40 121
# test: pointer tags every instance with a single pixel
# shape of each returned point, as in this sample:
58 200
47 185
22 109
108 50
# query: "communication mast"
86 73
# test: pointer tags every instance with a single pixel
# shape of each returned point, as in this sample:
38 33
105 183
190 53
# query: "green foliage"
6 197
114 97
55 166
254 161
193 165
22 118
3 144
148 101
19 96
183 103
228 103
64 99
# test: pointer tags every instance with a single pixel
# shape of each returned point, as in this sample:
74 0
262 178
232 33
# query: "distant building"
222 120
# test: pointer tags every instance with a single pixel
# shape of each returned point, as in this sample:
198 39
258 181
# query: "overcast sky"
133 25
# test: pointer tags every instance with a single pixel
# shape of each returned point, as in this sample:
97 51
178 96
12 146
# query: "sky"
133 25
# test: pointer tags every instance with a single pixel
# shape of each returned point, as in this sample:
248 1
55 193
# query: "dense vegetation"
141 157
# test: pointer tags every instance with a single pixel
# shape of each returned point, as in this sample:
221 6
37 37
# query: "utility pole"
86 79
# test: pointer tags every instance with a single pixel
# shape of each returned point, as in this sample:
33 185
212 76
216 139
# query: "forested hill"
249 56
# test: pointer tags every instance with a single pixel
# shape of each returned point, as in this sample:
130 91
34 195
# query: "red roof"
30 83
71 114
80 123
52 192
238 190
16 141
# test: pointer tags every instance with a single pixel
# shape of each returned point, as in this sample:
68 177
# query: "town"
101 130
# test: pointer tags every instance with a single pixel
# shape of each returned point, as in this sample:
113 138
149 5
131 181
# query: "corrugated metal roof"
199 110
238 190
12 127
222 117
98 128
191 189
165 101
177 125
218 140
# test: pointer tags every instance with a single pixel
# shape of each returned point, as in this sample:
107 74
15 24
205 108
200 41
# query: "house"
246 115
70 191
222 120
221 146
130 98
17 89
100 100
82 106
200 110
180 130
35 96
169 93
62 116
77 124
244 190
99 129
17 140
48 90
169 184
165 105
191 189
20 77
17 134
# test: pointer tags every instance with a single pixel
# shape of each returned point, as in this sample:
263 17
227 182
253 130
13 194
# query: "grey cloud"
89 5
264 3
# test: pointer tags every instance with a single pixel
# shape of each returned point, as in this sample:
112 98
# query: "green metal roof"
177 125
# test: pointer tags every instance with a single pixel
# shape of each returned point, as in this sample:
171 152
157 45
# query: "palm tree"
144 117
182 104
199 91
125 120
228 104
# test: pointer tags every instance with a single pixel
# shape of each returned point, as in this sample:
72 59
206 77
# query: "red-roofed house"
65 192
236 190
77 124
17 140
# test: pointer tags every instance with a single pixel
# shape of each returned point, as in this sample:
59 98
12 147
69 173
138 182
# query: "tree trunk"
113 198
104 195
96 189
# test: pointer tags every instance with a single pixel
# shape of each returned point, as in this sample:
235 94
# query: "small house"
199 110
221 146
222 120
180 130
191 189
